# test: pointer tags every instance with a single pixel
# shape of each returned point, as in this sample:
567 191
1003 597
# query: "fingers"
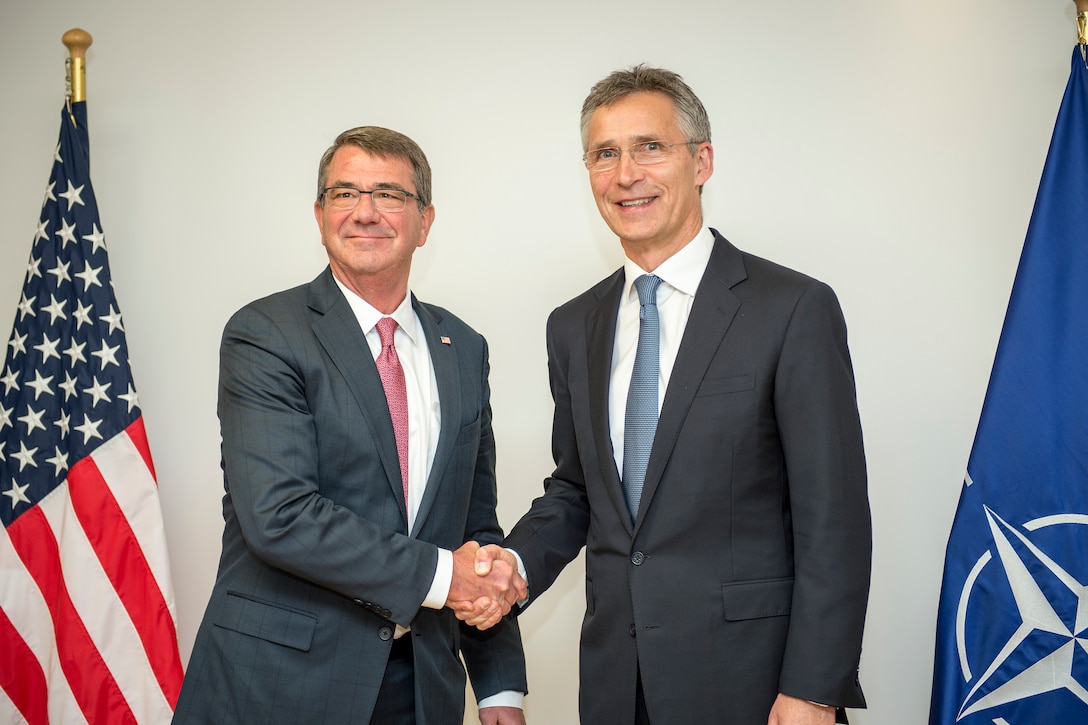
484 613
494 558
484 556
485 584
467 586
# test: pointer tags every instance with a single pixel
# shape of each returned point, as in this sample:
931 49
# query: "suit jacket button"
632 630
359 602
386 613
638 558
385 634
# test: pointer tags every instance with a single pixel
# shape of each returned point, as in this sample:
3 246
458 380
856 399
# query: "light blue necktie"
640 420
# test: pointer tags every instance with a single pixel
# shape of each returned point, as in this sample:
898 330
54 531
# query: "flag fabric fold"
1012 624
87 620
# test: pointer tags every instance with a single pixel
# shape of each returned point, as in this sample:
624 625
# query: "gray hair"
690 114
386 144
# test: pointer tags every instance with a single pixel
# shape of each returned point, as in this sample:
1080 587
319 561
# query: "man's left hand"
795 711
502 716
484 613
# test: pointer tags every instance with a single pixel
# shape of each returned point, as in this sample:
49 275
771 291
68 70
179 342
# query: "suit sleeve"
272 474
554 530
494 658
816 409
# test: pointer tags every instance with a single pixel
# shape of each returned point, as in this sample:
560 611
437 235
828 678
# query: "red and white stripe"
88 628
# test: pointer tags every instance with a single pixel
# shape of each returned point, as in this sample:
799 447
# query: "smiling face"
653 209
371 251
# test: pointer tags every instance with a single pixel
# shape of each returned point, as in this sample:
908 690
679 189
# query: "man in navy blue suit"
724 514
353 513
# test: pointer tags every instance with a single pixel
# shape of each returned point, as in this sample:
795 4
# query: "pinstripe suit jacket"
317 564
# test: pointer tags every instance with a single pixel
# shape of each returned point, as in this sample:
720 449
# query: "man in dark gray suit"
708 451
359 467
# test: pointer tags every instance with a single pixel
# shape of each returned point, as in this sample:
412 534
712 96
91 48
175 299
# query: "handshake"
486 583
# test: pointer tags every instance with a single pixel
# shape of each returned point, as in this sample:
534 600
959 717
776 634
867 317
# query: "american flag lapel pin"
445 340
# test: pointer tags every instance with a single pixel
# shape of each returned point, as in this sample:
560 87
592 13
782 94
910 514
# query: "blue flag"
1012 628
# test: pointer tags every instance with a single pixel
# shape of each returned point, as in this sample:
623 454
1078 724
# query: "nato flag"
1012 628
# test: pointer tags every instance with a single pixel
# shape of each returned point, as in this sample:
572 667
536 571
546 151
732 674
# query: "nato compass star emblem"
1027 638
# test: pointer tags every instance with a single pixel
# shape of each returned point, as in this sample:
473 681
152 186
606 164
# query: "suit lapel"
711 315
337 330
600 341
448 376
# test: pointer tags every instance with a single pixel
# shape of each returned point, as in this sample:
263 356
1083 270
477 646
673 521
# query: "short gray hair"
386 144
690 114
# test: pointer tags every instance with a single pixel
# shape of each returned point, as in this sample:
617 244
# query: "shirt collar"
368 316
682 271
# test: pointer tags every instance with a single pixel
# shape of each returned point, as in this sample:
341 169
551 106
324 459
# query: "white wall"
891 149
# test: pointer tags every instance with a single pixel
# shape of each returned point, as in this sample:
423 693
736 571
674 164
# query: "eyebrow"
380 185
641 138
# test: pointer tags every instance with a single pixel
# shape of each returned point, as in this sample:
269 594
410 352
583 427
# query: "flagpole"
1082 25
77 41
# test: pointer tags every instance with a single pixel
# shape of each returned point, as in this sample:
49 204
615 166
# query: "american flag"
87 621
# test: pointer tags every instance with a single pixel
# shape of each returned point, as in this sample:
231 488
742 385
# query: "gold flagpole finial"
77 41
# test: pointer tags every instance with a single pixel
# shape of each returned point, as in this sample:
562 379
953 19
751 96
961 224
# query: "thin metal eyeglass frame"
619 154
407 195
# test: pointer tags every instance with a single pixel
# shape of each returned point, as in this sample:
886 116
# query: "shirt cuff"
506 698
521 570
443 579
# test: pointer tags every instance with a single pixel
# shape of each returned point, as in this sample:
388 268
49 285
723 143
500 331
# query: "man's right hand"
485 584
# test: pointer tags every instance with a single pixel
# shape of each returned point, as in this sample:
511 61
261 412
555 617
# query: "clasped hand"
486 583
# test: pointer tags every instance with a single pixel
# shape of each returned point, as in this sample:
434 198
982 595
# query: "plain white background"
890 149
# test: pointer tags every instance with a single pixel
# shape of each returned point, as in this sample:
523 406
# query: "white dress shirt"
680 276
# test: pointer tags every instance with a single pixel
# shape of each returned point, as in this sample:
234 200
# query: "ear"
428 220
317 216
704 163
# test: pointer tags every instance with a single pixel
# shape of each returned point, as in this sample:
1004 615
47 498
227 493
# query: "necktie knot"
646 286
386 327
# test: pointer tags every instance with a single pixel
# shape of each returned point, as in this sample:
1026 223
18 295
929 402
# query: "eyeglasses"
343 198
643 154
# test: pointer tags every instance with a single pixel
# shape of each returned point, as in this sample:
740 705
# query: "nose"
627 171
365 212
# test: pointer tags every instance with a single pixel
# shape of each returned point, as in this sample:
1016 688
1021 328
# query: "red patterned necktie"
396 393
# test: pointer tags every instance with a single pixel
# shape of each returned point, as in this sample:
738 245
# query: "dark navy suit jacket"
746 572
317 565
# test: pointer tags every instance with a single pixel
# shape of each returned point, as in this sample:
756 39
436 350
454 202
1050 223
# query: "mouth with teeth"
636 202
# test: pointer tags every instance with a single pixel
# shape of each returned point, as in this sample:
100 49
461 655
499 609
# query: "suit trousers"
396 703
642 717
